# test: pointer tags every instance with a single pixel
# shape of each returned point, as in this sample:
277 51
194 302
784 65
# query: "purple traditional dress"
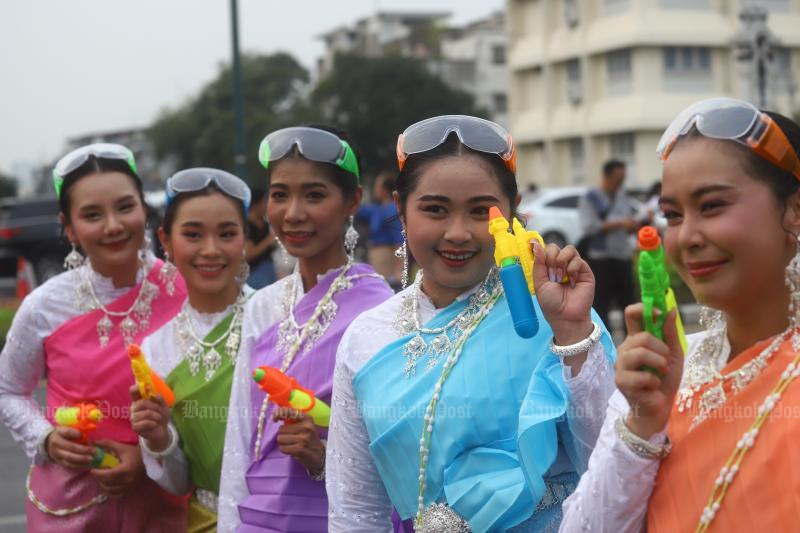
282 495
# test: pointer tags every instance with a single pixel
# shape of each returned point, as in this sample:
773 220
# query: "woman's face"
306 210
726 234
447 222
107 220
206 243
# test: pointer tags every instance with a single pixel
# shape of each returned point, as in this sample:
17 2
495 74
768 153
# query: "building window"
612 7
498 54
500 102
685 4
577 161
623 147
571 13
687 68
620 72
574 85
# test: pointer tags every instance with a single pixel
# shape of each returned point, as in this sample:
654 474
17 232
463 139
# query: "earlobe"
68 231
792 217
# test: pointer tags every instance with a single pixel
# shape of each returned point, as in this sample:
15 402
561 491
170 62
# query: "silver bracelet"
641 447
320 476
173 443
579 347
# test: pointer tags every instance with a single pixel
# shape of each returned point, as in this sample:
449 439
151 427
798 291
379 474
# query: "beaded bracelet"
641 447
173 443
579 347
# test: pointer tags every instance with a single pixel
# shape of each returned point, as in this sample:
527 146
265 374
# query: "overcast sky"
80 66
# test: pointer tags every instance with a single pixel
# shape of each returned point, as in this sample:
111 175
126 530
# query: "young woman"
440 409
74 329
203 236
705 441
275 472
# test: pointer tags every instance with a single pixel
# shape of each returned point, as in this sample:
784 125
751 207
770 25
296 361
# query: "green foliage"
200 132
8 186
375 99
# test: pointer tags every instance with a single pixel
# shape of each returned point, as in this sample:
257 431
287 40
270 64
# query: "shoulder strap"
595 199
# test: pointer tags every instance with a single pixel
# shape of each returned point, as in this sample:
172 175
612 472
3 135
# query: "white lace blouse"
613 493
163 354
22 361
357 499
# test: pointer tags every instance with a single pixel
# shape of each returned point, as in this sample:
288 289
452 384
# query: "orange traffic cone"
24 277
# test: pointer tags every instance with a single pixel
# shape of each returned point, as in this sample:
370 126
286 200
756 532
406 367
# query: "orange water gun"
285 392
84 417
150 384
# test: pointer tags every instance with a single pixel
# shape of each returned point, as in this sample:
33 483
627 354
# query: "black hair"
611 165
388 180
346 181
94 165
256 195
172 209
408 178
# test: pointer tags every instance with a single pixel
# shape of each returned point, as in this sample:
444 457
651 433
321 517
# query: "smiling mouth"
298 236
456 258
117 244
699 269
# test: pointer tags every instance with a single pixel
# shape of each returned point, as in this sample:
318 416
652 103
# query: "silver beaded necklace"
209 355
407 321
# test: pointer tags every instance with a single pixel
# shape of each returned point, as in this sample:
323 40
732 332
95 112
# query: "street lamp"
239 142
754 44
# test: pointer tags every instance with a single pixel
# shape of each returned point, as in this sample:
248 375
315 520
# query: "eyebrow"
445 199
697 193
199 224
312 185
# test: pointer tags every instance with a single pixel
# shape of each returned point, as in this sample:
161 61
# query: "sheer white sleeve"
589 394
171 472
22 364
357 499
613 493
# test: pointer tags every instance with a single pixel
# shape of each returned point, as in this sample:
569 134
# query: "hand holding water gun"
84 418
148 382
513 256
286 392
655 286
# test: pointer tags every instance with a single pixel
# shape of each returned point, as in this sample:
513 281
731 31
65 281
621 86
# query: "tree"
200 132
8 186
375 99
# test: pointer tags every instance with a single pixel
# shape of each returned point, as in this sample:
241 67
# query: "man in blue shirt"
384 230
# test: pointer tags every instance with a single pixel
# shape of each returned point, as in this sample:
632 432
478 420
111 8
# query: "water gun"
514 257
654 283
84 417
285 392
149 383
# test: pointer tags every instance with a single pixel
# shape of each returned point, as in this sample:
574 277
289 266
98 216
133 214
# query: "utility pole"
239 141
754 45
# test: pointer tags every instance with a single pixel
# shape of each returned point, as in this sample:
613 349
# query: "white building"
470 57
594 79
477 51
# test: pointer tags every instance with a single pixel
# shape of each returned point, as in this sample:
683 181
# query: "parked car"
30 228
553 212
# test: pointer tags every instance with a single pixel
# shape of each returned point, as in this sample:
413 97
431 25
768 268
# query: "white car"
553 212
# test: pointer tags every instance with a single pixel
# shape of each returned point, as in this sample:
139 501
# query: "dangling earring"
244 271
351 240
284 252
147 244
167 274
402 253
74 258
793 282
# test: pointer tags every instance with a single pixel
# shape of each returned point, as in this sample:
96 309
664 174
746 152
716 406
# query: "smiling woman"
77 325
272 474
446 344
203 235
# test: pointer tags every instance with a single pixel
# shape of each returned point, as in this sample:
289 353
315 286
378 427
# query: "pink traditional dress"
73 330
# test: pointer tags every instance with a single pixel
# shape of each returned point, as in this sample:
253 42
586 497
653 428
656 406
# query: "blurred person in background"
608 218
260 242
385 231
